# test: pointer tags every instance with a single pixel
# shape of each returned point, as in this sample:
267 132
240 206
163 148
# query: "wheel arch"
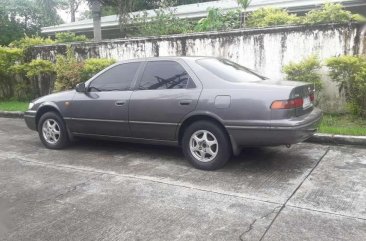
47 107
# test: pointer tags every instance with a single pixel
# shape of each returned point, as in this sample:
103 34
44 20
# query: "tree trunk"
244 18
241 19
96 12
72 13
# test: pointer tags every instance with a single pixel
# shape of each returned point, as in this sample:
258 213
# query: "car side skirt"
128 139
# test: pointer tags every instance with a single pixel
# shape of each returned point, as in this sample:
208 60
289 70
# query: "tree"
96 12
24 17
244 4
123 6
73 6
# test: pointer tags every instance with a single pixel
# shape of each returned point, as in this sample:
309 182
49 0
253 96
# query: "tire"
54 135
199 146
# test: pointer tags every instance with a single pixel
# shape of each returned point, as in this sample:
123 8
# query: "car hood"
59 96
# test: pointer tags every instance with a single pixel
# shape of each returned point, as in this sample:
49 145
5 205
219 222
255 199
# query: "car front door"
164 94
103 108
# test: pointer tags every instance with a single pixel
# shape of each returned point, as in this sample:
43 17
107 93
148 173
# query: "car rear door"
164 94
103 109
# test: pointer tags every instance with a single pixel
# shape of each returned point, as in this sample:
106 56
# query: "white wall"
265 50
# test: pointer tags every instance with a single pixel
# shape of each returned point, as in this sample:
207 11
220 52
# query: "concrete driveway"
98 190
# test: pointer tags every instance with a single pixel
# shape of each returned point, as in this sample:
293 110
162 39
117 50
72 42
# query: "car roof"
165 58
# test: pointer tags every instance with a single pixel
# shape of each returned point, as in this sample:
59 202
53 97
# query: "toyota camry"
211 107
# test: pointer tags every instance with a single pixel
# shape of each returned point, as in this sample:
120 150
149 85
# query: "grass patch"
13 106
343 125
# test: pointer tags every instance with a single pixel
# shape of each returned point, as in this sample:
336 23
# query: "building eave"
200 10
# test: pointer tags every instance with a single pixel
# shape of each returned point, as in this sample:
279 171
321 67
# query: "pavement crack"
69 190
251 225
248 230
293 193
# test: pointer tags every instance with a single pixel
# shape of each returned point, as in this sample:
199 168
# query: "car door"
164 94
103 108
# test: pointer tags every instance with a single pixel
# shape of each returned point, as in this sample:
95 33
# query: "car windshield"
230 71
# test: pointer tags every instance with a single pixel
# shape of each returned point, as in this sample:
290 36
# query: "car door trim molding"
96 120
153 123
122 121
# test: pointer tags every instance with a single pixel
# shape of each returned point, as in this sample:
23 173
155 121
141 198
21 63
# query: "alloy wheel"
204 145
51 131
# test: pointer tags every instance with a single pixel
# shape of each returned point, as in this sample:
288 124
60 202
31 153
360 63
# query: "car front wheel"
206 145
52 131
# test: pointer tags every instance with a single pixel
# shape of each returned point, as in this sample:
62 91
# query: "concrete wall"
265 50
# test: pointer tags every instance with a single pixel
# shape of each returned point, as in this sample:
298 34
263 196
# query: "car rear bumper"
30 119
283 132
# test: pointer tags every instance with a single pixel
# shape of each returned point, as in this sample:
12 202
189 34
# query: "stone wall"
265 50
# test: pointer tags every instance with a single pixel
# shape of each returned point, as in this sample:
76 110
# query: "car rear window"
230 71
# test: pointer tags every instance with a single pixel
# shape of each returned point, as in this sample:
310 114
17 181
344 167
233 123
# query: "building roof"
200 10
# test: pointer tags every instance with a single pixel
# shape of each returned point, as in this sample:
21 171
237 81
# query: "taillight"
287 104
312 97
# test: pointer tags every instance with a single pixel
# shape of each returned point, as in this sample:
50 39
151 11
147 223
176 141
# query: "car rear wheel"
52 131
206 145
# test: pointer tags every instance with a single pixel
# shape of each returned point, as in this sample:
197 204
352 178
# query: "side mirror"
80 88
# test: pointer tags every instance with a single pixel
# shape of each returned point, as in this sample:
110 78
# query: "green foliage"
9 57
305 71
93 66
331 13
68 71
67 37
265 17
38 67
217 20
27 41
164 23
19 17
244 3
350 74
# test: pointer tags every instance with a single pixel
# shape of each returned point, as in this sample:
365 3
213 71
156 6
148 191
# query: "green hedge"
23 81
349 72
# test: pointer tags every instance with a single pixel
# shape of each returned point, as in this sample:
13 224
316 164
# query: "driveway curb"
317 138
12 114
337 139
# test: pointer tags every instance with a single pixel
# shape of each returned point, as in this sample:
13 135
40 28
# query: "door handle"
185 102
120 102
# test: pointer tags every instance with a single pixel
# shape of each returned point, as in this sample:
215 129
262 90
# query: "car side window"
164 75
118 78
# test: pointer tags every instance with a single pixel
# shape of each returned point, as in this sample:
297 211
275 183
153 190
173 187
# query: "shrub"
30 41
265 17
331 13
9 58
68 71
217 20
164 23
305 71
67 37
350 74
93 66
42 73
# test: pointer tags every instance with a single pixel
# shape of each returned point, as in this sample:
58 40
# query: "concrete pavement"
97 190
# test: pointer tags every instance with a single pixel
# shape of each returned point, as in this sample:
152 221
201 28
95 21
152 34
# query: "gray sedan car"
211 107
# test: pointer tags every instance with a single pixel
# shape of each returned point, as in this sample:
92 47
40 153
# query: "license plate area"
306 103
